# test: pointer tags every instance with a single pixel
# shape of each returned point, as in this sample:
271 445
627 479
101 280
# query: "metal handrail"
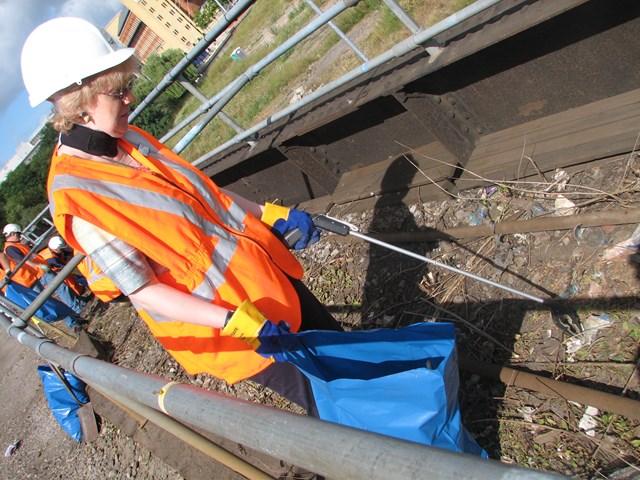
323 447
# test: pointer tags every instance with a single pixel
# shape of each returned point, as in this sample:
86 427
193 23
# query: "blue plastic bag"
401 383
50 311
62 404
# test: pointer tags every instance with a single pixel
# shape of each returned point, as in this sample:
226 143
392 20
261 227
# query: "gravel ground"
370 287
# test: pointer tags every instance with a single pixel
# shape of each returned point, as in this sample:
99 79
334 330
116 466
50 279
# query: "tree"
23 194
158 117
206 14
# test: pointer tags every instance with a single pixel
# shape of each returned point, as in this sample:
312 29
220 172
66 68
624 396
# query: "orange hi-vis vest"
70 281
101 285
26 275
209 245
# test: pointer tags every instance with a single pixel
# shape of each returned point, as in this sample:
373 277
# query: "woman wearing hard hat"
204 267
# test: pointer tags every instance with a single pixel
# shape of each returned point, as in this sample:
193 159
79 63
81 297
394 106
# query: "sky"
17 19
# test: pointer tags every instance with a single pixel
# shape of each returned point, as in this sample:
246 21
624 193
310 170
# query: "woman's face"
110 112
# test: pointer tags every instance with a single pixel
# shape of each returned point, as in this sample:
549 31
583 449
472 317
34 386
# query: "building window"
164 4
187 26
152 10
172 11
180 19
160 17
143 2
183 40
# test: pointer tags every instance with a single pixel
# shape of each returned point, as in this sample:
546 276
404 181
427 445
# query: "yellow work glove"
245 324
273 212
266 338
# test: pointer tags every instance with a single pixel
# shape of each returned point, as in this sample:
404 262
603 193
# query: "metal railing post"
323 447
252 71
340 33
402 48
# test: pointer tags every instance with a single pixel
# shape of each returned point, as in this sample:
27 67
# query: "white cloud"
19 18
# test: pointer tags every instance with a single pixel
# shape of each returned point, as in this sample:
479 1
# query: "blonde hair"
70 104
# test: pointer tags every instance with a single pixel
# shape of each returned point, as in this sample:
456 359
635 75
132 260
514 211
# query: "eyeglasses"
122 92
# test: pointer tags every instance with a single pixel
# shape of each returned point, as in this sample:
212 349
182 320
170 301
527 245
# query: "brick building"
156 25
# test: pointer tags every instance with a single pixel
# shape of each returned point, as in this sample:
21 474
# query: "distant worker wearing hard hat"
35 273
50 311
204 267
56 256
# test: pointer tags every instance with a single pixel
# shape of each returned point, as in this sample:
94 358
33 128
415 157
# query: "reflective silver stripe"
227 242
141 198
232 217
221 258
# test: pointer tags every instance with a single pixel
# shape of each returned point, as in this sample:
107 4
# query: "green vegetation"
23 194
157 118
267 25
203 18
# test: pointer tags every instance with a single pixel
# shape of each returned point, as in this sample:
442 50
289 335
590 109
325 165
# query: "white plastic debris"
588 422
12 448
624 248
591 326
527 413
564 206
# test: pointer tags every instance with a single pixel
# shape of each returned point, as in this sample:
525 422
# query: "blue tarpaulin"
62 404
402 383
50 311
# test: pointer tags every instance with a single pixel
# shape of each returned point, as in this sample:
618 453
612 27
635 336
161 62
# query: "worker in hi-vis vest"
206 269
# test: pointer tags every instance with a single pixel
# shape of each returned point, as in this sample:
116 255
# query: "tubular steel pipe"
604 401
339 32
49 289
255 69
326 448
188 436
229 17
398 50
402 15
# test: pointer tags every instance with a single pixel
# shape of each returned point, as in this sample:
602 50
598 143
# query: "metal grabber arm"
342 228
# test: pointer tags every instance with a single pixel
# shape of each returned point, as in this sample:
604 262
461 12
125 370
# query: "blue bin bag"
50 311
401 383
61 403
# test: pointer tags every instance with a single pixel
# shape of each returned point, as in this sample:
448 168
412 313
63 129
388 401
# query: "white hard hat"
56 243
64 51
11 228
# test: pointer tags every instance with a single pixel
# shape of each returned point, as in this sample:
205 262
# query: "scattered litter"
589 236
504 255
571 291
479 216
564 206
560 180
527 413
591 326
626 247
12 448
588 423
537 210
489 191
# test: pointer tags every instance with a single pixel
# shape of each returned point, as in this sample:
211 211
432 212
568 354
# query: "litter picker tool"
343 228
